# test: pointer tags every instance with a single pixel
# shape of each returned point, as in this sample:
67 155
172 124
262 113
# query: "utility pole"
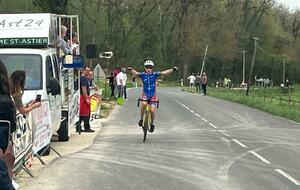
244 61
283 72
204 60
252 65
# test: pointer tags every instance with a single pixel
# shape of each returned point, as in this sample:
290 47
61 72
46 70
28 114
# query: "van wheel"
45 151
63 132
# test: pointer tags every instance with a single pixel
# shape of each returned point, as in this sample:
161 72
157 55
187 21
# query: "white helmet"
148 63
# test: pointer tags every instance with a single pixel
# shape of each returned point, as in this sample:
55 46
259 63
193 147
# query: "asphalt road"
199 143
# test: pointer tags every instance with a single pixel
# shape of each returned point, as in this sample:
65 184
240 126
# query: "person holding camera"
18 78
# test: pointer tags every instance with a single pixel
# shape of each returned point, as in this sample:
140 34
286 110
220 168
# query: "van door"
54 101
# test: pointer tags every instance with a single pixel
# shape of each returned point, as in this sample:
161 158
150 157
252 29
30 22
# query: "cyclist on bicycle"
149 79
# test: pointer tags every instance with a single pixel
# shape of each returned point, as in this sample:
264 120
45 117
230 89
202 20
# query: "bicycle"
147 120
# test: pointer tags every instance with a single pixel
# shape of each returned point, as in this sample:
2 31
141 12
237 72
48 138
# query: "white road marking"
186 107
204 119
295 181
213 125
286 175
239 143
260 157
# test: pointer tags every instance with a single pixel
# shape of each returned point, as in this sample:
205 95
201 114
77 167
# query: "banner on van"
23 41
73 110
41 122
22 138
28 29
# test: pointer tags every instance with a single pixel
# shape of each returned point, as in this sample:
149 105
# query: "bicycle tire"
146 124
145 134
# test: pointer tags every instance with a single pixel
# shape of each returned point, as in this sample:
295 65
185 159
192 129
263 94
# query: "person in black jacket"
7 106
111 83
7 160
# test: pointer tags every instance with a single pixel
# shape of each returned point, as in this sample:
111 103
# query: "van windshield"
31 64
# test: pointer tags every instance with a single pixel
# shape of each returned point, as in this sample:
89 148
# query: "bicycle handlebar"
148 102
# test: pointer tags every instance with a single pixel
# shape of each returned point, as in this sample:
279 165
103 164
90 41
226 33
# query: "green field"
275 100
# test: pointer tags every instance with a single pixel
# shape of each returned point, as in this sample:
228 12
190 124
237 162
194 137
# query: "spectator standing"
123 70
7 112
62 43
204 83
111 83
92 85
7 106
192 80
287 83
7 160
18 78
198 83
227 82
85 107
121 79
75 44
116 71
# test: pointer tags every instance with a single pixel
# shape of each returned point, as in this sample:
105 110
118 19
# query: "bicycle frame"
147 119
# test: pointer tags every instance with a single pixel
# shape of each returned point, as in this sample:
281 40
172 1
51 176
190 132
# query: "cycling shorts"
153 98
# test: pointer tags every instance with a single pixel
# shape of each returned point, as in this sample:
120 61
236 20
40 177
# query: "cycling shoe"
151 128
140 122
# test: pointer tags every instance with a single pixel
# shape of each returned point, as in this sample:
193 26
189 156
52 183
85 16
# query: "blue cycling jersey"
149 83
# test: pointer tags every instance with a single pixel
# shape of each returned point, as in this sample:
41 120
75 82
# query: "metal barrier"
22 144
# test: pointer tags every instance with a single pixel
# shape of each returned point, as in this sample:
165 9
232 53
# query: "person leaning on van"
7 106
62 43
18 82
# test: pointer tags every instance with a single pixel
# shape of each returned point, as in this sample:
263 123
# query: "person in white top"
124 81
192 80
121 80
75 44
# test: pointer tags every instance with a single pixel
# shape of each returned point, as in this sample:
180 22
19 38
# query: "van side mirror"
54 87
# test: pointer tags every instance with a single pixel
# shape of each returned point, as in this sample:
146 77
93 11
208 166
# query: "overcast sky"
293 4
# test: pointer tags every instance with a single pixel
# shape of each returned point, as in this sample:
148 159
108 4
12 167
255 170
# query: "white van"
29 42
41 66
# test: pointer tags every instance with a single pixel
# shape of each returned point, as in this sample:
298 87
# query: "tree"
52 6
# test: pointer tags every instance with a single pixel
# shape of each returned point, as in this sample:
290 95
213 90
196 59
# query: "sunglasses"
149 67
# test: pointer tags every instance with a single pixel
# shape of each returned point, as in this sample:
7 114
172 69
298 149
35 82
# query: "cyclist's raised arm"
166 72
134 72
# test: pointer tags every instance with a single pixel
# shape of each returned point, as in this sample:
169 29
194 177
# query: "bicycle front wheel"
146 124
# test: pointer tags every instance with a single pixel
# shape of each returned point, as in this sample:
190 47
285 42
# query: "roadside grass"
276 101
166 83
